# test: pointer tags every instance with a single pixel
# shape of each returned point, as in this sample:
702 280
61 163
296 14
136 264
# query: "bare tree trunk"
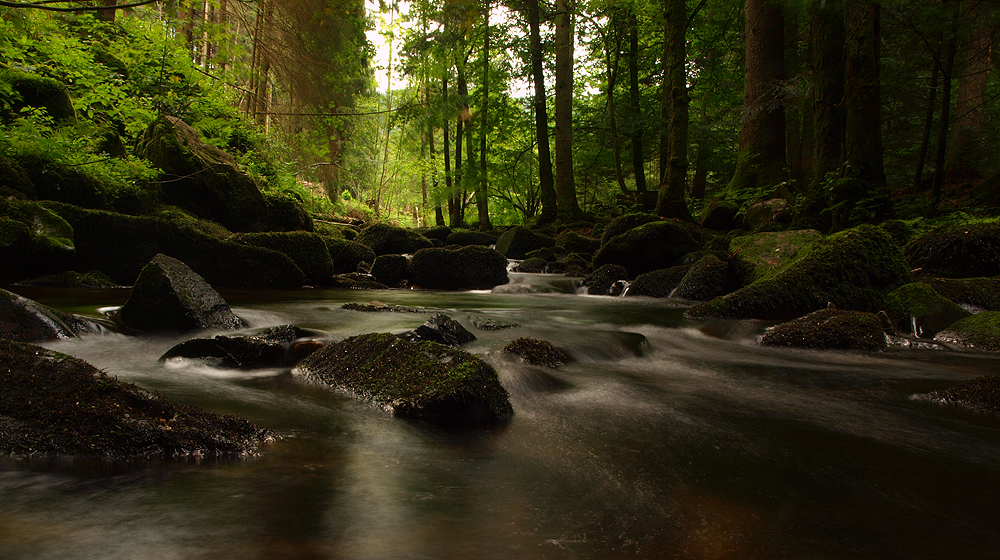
611 64
947 70
925 138
107 15
670 199
862 95
566 203
482 202
545 180
638 160
457 218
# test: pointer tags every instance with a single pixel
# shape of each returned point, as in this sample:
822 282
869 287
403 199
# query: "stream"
664 438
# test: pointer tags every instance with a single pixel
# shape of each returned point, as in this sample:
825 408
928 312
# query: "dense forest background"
488 114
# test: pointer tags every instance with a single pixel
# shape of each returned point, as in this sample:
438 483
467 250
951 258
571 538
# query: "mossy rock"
981 394
651 246
537 352
916 308
425 380
342 231
14 180
34 90
26 320
200 177
469 237
15 242
658 283
601 281
517 242
706 279
348 255
391 270
55 404
467 268
957 251
533 265
979 332
440 233
830 329
34 240
853 269
386 239
442 329
54 181
757 255
284 213
973 294
307 250
574 242
625 223
272 347
137 239
72 279
899 231
720 215
767 215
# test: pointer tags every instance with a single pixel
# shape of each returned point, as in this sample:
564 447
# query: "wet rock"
706 279
391 270
348 255
981 394
533 265
517 242
168 295
200 177
51 403
268 348
537 352
440 233
493 324
957 251
973 294
423 380
916 308
26 320
830 329
756 256
387 239
467 268
658 283
625 223
574 242
284 213
599 282
648 247
307 250
357 281
378 306
979 332
854 269
468 237
442 329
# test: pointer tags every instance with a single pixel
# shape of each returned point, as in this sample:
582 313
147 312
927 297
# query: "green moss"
347 255
537 352
517 242
829 329
974 294
624 223
651 246
386 239
957 251
759 254
980 332
34 90
916 308
307 250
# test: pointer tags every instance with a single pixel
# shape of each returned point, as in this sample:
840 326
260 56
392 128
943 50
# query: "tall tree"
566 203
862 92
827 65
638 155
482 203
674 159
546 182
975 63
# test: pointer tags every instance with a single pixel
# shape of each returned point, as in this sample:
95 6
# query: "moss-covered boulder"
957 251
348 255
168 295
916 308
979 332
425 380
284 212
272 347
72 279
658 283
651 246
26 320
51 403
600 282
334 229
442 329
830 329
307 250
574 242
720 215
391 270
439 233
470 237
759 254
202 245
467 268
981 394
853 269
624 223
973 294
51 180
200 177
706 279
37 91
533 265
357 281
537 352
767 215
387 239
517 242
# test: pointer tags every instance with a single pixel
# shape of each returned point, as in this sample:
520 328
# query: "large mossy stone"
169 296
473 267
973 294
200 177
600 281
622 224
348 255
34 240
52 180
648 247
979 332
574 242
470 237
980 394
424 380
307 250
120 246
957 251
758 254
26 320
51 403
284 213
707 278
830 329
387 239
37 91
916 308
853 269
658 283
517 242
391 270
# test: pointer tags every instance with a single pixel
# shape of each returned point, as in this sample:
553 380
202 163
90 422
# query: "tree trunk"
447 149
827 63
975 67
638 161
482 202
567 207
925 137
457 219
761 158
670 199
862 95
107 15
611 64
947 70
545 180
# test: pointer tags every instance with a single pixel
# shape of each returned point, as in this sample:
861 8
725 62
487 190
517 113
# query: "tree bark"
457 219
827 63
447 149
673 167
925 137
482 202
971 103
862 94
947 70
612 63
545 180
638 160
566 203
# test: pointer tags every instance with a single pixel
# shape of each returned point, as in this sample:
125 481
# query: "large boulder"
980 394
168 295
26 320
200 177
973 294
575 242
517 242
36 91
34 241
473 267
348 255
307 250
386 239
424 380
624 223
470 237
55 404
651 246
759 254
830 329
707 278
442 329
853 269
600 282
916 308
979 332
272 347
391 270
284 213
957 251
658 283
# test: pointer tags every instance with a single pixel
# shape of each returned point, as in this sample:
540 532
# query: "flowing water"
665 438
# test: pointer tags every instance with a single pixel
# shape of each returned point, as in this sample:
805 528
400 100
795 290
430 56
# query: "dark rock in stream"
273 347
649 247
170 296
517 242
391 270
658 283
442 329
424 380
981 395
978 332
537 352
378 306
599 282
473 267
918 309
51 403
830 329
26 320
493 324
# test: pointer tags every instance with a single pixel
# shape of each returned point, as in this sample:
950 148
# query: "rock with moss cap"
272 347
916 308
981 394
957 251
978 332
35 90
600 282
391 270
830 329
473 267
348 255
34 241
973 294
470 237
707 278
26 320
425 380
853 269
658 283
574 242
387 239
307 250
537 352
648 247
759 254
624 223
168 295
285 212
517 242
51 403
